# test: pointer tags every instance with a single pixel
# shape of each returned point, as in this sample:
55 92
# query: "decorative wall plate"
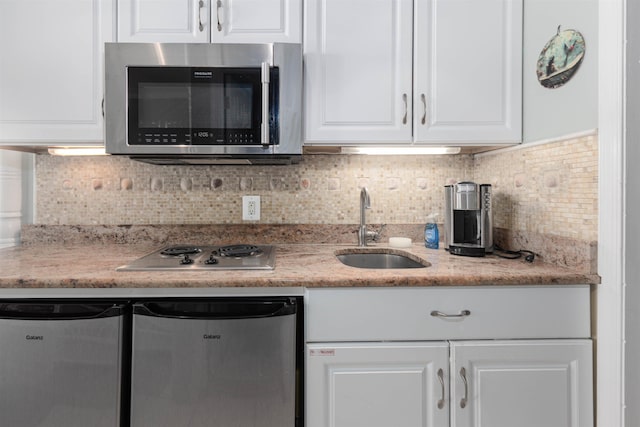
560 58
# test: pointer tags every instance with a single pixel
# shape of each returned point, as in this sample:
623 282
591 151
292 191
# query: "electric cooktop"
206 257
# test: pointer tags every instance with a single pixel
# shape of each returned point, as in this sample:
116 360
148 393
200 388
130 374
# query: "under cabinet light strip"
390 150
77 151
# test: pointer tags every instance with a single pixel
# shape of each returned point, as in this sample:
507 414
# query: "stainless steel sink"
380 259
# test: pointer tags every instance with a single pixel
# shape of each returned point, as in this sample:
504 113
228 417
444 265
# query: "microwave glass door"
197 106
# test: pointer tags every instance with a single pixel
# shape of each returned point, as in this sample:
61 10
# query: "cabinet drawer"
445 313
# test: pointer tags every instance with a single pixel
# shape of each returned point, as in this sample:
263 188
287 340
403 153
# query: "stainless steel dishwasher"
60 363
223 362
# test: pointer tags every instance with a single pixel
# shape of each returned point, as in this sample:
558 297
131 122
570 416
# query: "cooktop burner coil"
239 250
180 250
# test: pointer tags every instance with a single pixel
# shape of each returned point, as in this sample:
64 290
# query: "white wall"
572 108
17 194
10 197
632 225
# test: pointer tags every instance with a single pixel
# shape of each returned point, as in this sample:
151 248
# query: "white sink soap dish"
399 242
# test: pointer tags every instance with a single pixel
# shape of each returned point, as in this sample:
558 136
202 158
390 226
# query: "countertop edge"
298 266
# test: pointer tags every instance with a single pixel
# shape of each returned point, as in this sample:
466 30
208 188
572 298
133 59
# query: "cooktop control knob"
186 260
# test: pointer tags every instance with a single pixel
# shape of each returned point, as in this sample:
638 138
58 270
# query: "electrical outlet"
250 208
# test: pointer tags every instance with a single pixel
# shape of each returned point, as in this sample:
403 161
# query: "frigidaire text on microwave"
203 103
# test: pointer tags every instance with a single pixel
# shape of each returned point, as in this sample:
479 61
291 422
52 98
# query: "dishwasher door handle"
222 308
42 310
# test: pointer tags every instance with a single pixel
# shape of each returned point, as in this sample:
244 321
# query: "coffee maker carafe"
468 222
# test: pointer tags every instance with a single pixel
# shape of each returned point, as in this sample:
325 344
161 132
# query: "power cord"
503 253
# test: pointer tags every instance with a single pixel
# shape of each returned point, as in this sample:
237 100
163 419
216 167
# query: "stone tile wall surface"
322 189
543 188
547 189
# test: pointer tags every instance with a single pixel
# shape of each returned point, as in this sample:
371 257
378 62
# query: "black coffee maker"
468 220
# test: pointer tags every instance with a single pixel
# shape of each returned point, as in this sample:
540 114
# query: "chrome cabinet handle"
200 7
264 129
424 108
441 379
218 7
463 313
463 375
406 108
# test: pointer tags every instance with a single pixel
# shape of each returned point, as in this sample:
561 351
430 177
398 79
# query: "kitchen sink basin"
380 259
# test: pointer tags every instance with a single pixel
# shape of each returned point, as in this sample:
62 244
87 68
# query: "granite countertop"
84 266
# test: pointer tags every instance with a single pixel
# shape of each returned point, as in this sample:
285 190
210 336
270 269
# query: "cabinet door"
522 383
256 21
468 71
51 70
377 385
163 21
357 71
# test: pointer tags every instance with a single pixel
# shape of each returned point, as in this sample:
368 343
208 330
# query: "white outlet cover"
250 208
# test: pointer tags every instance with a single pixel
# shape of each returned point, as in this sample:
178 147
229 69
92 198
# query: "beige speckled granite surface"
575 254
308 265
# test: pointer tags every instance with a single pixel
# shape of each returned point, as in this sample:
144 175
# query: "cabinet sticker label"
322 352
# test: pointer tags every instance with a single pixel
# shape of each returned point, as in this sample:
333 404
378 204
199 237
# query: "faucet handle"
375 235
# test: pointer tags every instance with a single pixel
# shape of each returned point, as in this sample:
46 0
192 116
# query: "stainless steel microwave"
198 103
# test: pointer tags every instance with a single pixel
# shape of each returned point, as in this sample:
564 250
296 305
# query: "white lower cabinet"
542 383
523 381
377 384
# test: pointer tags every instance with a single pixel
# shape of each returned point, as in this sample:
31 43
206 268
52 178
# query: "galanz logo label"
34 337
211 337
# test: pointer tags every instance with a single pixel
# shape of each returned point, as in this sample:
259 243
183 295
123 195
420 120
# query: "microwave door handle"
264 128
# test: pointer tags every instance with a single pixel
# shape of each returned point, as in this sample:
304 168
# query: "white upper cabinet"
413 71
203 21
256 21
51 76
468 70
357 70
164 21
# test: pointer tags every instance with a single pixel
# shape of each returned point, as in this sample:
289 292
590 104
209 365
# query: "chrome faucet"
363 234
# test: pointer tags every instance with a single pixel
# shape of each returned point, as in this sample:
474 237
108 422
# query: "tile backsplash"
542 188
322 189
548 189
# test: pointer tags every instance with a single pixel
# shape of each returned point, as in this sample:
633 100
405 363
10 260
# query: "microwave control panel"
197 137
